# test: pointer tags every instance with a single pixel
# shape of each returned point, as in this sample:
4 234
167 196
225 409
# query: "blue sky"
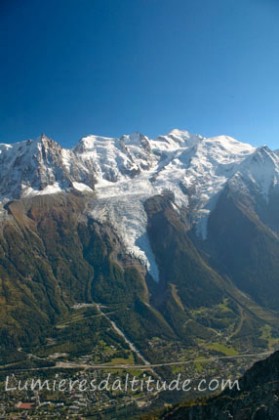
109 67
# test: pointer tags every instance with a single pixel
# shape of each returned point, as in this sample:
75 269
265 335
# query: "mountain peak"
133 138
259 170
44 139
39 147
231 144
179 133
89 142
264 153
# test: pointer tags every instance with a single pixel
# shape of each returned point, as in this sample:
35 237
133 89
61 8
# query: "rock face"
257 399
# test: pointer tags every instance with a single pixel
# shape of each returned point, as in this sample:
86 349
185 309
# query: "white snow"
81 187
48 190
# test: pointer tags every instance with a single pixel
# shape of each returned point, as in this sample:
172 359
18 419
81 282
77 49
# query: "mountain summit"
134 167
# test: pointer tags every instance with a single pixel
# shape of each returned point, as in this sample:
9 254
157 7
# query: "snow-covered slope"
126 171
259 172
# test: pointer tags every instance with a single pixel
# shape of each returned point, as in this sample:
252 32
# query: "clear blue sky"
73 67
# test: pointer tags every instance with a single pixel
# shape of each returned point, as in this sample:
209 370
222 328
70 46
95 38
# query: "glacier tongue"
122 205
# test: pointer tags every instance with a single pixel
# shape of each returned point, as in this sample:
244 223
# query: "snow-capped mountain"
41 166
125 171
177 238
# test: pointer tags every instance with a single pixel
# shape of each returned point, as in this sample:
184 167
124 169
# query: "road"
82 366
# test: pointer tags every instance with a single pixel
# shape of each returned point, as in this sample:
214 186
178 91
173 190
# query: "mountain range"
133 168
165 250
